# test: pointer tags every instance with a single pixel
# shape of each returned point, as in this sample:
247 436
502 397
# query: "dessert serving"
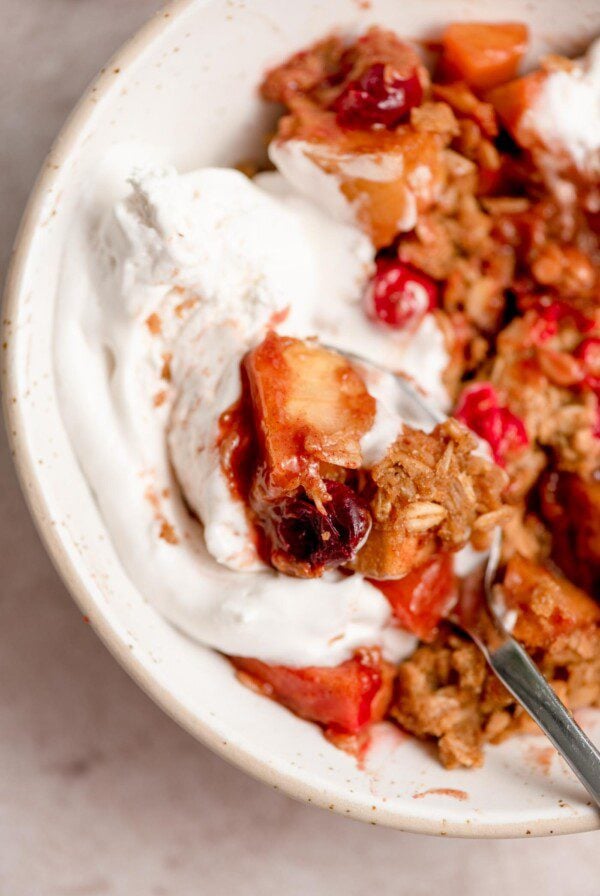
427 213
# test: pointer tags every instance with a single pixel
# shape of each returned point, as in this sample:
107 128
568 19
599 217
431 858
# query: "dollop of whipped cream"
179 279
566 112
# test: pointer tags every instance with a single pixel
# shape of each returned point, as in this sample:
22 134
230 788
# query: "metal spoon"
506 657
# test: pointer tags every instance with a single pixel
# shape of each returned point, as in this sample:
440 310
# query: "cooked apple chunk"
391 552
547 605
310 408
570 507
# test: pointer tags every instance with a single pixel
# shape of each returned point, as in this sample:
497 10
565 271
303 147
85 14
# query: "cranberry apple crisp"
485 222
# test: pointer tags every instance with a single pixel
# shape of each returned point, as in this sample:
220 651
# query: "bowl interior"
186 85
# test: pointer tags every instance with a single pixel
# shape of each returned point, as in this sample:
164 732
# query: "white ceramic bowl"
187 84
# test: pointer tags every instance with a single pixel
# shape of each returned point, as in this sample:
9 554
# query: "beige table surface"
100 793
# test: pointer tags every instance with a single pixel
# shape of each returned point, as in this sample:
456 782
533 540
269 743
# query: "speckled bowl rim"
29 477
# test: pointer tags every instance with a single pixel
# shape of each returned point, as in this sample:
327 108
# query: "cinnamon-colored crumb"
165 372
186 305
167 533
154 324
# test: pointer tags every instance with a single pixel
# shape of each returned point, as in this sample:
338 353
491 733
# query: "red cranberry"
379 97
588 352
298 530
399 295
476 400
480 410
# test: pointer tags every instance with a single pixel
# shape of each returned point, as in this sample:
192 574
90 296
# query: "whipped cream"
294 162
566 113
158 307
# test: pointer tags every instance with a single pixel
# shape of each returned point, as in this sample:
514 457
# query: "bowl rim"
28 476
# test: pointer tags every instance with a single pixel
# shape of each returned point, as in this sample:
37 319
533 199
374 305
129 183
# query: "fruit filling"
479 408
399 295
344 699
304 539
379 97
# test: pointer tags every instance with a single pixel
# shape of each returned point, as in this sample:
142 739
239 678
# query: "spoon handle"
526 683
